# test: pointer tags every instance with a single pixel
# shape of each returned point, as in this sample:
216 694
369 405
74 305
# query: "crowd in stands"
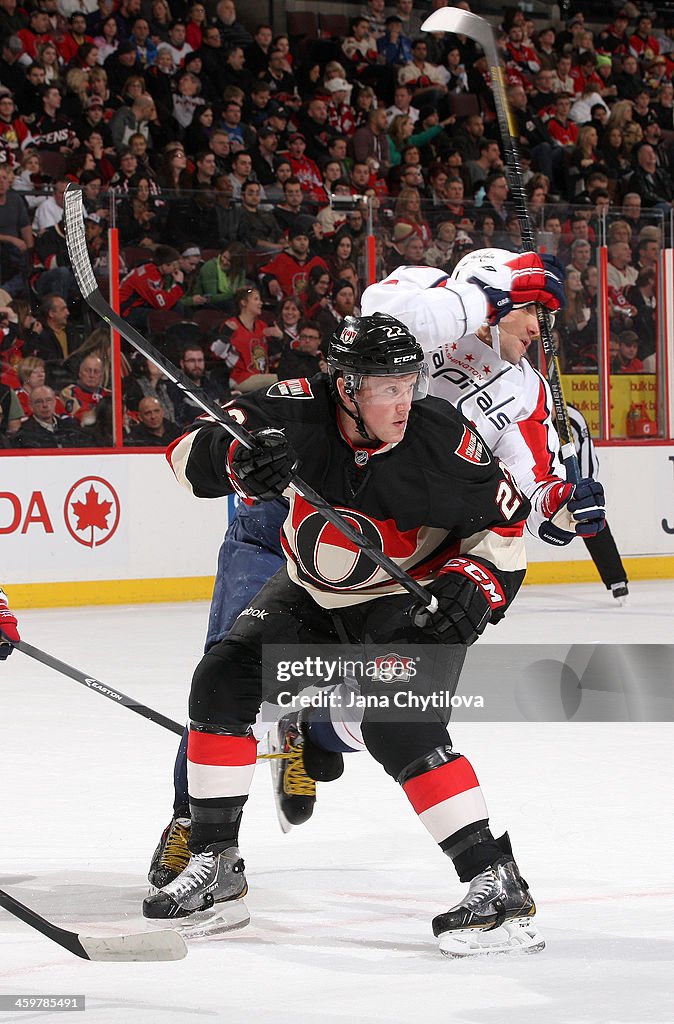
218 145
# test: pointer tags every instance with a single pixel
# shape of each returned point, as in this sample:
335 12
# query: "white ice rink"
341 907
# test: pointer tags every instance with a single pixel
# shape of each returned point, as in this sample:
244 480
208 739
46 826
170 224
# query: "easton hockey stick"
453 19
86 282
98 687
107 691
144 946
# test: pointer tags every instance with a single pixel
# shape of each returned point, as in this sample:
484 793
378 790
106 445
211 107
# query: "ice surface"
341 907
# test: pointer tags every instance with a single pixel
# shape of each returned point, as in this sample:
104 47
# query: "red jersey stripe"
535 434
440 784
209 748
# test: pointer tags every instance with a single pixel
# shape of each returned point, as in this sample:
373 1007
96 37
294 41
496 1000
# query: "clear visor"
389 388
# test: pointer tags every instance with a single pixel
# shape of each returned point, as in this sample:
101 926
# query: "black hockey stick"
86 282
453 19
145 946
98 687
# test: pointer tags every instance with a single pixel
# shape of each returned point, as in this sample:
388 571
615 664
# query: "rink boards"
108 528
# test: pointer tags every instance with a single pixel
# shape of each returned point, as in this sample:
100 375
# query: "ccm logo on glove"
480 576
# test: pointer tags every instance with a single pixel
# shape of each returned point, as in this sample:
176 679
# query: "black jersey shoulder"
450 440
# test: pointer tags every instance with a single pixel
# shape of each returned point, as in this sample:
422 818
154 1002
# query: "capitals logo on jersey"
472 449
297 388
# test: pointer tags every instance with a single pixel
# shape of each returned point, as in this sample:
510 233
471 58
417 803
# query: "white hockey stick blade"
146 947
453 19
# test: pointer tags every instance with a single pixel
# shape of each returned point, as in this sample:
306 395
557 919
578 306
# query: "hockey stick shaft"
98 687
163 945
86 281
448 19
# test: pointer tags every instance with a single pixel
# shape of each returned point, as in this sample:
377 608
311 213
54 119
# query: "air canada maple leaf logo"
91 511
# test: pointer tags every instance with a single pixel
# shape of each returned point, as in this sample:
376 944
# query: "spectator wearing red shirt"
154 285
243 344
288 272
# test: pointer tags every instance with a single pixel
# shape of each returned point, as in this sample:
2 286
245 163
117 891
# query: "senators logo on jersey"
298 388
472 449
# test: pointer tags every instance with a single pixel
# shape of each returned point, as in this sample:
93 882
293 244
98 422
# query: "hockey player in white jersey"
483 371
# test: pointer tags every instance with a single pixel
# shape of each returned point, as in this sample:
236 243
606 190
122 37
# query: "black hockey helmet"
373 346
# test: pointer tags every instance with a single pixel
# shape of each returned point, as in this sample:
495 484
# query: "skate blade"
512 937
222 917
275 765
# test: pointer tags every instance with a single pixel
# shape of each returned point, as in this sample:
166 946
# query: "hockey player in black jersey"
415 477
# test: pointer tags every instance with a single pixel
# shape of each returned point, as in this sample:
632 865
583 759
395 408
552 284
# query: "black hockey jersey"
438 496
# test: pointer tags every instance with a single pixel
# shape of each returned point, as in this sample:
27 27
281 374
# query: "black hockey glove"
265 471
466 598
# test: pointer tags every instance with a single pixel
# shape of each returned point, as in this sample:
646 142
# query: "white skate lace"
197 871
480 888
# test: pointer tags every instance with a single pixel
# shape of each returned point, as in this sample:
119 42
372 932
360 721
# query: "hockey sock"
335 728
220 770
444 791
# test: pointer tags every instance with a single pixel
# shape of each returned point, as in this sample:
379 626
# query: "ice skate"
172 854
209 890
620 592
294 791
495 916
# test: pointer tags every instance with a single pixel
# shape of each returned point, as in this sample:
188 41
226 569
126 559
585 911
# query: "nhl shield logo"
361 458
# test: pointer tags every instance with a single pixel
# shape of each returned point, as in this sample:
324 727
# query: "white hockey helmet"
488 262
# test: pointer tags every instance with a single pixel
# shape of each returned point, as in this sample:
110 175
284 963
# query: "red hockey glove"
519 282
467 593
262 472
572 510
537 279
9 633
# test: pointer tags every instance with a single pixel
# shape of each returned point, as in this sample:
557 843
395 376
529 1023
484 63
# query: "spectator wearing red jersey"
154 285
32 374
340 115
243 344
643 45
288 273
38 31
522 56
304 169
82 397
586 73
75 37
560 127
14 133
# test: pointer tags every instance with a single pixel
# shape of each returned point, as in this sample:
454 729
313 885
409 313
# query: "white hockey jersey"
510 406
